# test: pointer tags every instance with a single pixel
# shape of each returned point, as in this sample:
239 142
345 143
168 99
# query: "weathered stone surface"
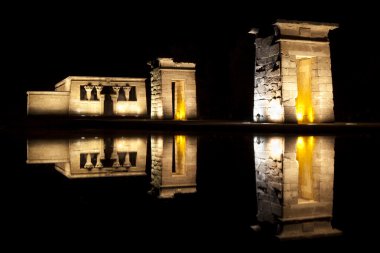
286 87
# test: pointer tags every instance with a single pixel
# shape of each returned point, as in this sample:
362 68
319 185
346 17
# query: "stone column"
101 101
116 164
99 164
127 162
114 102
114 98
99 88
88 164
127 89
88 89
117 90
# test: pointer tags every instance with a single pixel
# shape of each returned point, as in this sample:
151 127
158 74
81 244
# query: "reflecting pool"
203 188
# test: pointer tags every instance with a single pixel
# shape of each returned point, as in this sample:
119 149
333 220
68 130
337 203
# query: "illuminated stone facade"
91 157
293 74
173 90
91 96
294 184
174 165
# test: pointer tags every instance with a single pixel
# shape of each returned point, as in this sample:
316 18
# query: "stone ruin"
293 80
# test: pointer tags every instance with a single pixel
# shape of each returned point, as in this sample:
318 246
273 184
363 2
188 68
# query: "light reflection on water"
294 180
294 175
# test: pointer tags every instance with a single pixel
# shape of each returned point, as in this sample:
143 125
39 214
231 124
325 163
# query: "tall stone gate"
293 74
173 90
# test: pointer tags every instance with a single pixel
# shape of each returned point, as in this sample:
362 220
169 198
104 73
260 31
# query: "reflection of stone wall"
164 72
47 151
267 92
157 146
165 182
269 179
278 186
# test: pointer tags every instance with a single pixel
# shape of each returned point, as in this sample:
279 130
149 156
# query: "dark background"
43 44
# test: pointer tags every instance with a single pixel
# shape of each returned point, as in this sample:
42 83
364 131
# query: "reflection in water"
294 181
174 165
91 157
294 175
304 156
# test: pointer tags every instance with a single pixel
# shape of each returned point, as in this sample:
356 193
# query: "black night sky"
44 44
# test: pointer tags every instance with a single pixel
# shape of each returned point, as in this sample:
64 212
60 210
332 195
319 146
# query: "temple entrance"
108 104
304 106
178 100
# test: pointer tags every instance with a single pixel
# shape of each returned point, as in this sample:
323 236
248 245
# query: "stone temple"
173 95
293 74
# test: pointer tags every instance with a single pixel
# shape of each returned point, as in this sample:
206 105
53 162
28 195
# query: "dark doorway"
108 104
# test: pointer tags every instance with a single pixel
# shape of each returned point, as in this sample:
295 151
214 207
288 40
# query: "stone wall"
268 87
47 103
156 94
66 99
96 107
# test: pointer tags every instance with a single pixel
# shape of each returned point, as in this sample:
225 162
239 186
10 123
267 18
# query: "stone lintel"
304 29
169 63
308 24
303 40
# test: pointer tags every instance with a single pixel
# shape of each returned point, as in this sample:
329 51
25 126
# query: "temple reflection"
174 165
173 159
294 184
91 156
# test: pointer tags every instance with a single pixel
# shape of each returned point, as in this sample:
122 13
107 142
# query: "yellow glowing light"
310 115
180 154
180 106
305 149
304 105
299 116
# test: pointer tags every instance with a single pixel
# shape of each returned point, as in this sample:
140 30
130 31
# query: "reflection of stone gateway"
174 164
294 181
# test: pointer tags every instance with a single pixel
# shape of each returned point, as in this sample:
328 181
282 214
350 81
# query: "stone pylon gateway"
293 74
173 90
